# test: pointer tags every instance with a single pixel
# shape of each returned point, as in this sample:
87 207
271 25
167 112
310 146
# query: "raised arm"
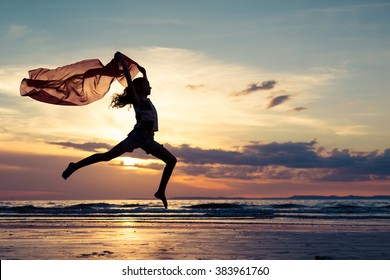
142 70
130 87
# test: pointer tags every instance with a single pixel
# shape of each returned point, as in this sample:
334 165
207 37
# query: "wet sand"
125 240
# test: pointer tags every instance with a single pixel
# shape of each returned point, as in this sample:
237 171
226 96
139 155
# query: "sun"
130 162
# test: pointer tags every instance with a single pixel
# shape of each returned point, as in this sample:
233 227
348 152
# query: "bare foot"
68 171
161 196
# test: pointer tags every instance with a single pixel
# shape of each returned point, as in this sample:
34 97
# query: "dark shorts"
140 139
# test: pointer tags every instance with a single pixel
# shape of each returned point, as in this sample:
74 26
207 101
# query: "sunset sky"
255 98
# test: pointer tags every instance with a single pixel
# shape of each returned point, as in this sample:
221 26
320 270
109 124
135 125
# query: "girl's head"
142 88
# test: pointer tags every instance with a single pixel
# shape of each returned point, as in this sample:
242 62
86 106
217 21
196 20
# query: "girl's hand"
118 55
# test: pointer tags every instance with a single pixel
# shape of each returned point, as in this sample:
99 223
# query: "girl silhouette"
142 136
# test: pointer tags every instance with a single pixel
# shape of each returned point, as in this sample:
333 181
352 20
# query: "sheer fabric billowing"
80 83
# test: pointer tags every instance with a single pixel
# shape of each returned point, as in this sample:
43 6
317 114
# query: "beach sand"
127 240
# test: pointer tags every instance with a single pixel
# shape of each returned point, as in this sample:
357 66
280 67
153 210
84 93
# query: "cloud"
289 154
351 130
97 147
278 100
195 86
255 87
298 109
289 160
88 147
16 31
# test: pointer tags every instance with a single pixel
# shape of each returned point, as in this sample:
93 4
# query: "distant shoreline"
295 197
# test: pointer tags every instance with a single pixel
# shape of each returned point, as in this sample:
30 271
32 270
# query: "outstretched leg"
117 151
170 160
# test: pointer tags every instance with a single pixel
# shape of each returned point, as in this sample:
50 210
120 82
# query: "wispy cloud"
298 109
16 31
355 130
96 147
145 21
351 8
253 87
195 86
275 101
88 147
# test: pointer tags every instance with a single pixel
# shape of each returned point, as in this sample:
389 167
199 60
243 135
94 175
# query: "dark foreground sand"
124 240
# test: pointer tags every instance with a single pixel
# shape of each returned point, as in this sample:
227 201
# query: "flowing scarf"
77 84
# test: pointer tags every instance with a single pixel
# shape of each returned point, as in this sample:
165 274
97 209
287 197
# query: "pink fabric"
80 83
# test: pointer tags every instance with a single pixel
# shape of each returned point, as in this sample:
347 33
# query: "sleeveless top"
146 115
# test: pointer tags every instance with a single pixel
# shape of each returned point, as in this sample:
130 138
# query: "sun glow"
130 162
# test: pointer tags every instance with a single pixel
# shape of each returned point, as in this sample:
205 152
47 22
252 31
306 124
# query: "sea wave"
215 206
242 209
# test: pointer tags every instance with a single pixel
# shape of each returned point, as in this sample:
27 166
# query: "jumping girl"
142 136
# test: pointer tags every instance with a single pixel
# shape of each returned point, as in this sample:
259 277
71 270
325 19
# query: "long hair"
120 100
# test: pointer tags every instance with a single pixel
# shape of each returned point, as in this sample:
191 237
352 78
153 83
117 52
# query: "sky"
255 98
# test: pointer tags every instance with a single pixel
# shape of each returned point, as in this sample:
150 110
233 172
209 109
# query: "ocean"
349 212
